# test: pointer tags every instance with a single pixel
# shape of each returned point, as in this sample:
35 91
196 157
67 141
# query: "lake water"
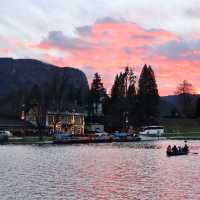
99 171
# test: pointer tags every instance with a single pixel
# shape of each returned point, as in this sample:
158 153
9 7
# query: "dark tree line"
133 102
121 107
128 104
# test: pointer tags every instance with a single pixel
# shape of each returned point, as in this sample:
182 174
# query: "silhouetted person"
186 148
169 149
174 148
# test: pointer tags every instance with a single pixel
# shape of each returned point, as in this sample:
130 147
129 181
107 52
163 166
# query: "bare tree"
185 88
57 96
54 96
185 92
37 105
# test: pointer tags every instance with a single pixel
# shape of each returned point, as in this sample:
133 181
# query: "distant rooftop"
15 124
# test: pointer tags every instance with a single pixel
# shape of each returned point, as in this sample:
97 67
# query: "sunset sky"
104 36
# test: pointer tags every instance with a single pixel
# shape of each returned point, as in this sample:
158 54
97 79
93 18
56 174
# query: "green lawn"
183 135
181 128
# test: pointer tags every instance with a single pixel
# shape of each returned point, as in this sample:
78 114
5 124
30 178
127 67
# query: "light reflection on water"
99 171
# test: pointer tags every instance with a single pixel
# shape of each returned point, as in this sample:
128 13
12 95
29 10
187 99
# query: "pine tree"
115 89
131 92
148 96
122 83
97 94
123 99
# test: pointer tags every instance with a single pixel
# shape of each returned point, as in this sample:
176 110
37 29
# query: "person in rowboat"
180 148
186 148
174 148
169 149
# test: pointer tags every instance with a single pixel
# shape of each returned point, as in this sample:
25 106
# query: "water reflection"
99 171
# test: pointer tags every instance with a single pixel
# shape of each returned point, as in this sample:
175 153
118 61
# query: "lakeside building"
66 122
70 122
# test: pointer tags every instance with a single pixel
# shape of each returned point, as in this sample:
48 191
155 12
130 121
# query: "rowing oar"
193 152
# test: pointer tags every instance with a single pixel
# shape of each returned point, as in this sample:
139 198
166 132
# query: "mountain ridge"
16 73
21 74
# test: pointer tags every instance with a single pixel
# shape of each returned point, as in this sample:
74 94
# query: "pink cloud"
109 45
5 51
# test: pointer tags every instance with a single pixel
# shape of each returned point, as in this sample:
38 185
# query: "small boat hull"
178 153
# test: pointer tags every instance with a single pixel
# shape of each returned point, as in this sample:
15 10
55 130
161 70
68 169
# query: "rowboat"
177 153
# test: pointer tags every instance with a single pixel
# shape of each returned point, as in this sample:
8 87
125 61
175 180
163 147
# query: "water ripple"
100 171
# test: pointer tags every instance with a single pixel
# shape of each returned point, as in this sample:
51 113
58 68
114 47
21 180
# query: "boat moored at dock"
152 131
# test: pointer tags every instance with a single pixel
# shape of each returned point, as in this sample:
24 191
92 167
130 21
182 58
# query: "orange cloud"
5 51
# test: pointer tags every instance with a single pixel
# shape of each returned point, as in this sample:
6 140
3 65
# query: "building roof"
15 124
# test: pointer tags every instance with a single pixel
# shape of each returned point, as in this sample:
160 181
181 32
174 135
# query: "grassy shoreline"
30 140
187 135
